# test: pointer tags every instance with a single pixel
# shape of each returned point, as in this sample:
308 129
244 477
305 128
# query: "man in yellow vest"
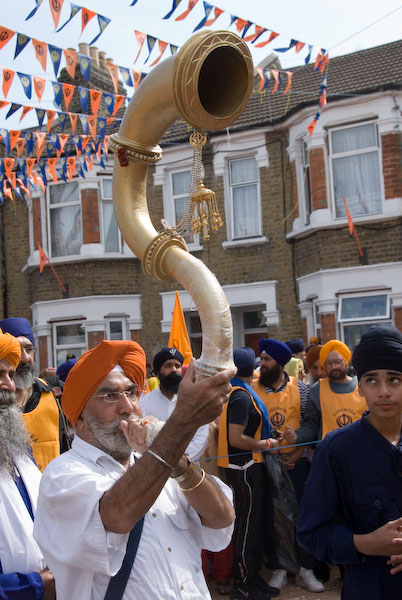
334 401
285 398
42 415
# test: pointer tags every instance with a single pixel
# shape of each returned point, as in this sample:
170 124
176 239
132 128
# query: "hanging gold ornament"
202 201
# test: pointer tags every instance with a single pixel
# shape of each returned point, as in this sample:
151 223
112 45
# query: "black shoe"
321 571
244 591
262 586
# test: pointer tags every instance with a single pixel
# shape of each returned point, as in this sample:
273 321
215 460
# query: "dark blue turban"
17 326
244 359
64 369
276 350
380 347
296 345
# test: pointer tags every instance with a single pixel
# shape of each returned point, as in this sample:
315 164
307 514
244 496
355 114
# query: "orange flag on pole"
352 229
43 259
178 337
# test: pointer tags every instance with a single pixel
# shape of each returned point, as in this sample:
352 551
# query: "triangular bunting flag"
174 6
55 7
51 162
13 109
74 10
30 141
8 76
84 95
151 40
55 55
162 48
103 23
68 92
3 104
63 137
292 44
272 36
114 74
5 36
20 146
73 119
39 86
191 4
102 126
109 101
125 73
86 16
40 143
26 81
140 37
207 8
8 165
84 141
136 78
85 66
40 113
119 100
14 136
84 123
29 162
57 90
62 120
43 259
50 118
96 96
22 41
289 83
217 13
40 52
92 122
71 58
33 12
254 36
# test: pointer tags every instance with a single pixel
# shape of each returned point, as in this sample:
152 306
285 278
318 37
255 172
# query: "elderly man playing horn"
95 498
22 572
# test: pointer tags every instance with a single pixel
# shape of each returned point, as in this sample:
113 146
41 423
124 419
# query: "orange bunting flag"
272 36
110 120
262 78
14 136
117 103
240 24
40 52
71 167
136 78
40 143
191 4
63 137
178 337
90 162
73 120
162 48
258 31
311 126
318 61
20 146
140 37
39 85
8 76
5 36
92 122
7 191
12 178
274 72
50 118
52 168
4 103
114 74
68 93
29 164
299 46
26 190
86 16
217 13
84 141
25 111
289 83
96 96
43 259
55 7
8 165
324 62
71 58
106 144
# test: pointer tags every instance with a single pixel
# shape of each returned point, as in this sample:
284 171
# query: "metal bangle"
196 485
191 467
162 460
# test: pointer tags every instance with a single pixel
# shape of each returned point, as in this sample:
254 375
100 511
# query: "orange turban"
10 349
338 347
92 368
313 355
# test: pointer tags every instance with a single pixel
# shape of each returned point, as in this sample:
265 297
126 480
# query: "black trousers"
249 490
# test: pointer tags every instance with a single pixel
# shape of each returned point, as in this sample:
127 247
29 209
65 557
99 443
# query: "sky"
339 26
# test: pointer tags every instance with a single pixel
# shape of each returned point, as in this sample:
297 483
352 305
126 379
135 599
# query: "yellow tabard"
339 410
283 407
42 424
223 444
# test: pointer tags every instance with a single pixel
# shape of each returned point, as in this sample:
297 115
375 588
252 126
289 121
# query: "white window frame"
103 199
306 181
51 207
169 206
229 204
66 347
122 320
385 317
371 149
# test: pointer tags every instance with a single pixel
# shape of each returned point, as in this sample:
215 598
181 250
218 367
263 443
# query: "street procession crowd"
125 480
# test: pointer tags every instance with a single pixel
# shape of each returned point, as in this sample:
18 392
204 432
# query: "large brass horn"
208 83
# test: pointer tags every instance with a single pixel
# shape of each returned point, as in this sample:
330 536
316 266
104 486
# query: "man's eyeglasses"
30 349
112 397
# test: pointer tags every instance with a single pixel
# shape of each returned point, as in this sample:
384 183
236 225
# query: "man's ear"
359 389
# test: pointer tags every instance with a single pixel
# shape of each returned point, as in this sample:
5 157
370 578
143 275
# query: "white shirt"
18 550
156 404
83 556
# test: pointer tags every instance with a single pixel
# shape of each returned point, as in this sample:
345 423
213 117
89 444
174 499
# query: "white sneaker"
308 580
278 579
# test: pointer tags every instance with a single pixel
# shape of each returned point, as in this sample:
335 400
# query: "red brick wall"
135 335
94 338
398 317
90 216
328 327
37 225
317 176
294 190
392 164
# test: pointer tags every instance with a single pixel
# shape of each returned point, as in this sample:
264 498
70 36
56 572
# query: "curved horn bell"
208 83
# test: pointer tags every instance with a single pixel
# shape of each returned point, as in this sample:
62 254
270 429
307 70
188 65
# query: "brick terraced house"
284 257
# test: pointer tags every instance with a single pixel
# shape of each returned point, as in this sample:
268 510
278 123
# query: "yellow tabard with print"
339 410
42 424
283 407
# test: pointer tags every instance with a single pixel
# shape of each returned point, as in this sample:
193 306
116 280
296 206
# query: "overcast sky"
328 24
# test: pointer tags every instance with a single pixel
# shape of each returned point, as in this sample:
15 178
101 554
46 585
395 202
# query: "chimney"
83 49
102 59
93 52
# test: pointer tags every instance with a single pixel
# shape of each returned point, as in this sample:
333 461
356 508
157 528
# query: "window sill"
255 241
33 259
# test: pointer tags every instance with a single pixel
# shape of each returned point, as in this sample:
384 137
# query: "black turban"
380 347
166 354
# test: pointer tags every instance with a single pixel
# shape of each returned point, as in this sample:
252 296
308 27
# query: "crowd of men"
119 513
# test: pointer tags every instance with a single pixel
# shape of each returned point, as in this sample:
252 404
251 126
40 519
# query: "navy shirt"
354 487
